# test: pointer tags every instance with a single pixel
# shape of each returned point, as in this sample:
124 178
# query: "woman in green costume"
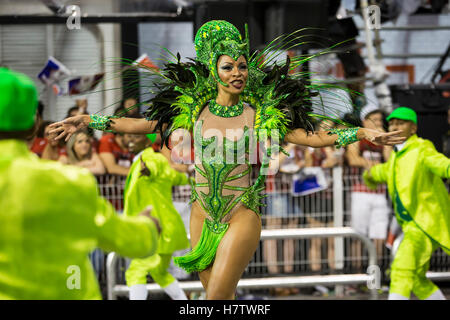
232 102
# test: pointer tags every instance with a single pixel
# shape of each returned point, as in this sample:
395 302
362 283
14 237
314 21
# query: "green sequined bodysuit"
223 167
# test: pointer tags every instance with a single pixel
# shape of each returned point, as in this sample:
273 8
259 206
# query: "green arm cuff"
345 136
102 123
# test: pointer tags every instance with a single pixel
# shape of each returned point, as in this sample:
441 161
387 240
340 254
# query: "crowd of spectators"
108 154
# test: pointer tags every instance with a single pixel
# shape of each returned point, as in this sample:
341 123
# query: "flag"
144 62
53 72
84 84
309 180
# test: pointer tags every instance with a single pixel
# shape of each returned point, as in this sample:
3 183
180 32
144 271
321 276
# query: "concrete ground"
313 294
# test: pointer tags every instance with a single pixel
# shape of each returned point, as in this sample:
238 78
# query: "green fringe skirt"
204 252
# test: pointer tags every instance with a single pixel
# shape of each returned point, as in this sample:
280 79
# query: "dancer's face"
82 145
232 72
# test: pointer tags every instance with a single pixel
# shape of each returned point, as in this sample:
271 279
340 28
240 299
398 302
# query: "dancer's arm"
67 127
319 139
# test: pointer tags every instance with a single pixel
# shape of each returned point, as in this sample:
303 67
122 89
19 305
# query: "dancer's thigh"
196 225
233 254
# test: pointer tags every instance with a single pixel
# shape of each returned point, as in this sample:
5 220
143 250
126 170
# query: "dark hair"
20 135
40 109
352 118
74 108
122 104
118 110
134 109
41 130
373 112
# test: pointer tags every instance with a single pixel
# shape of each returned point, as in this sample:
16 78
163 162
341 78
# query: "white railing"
115 290
331 205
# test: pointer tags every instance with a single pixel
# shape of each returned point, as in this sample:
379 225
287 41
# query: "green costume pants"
411 263
155 265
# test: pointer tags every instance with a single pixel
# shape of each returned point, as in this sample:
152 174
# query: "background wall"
94 48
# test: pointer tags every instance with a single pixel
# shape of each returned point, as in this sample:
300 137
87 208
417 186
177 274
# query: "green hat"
152 137
403 113
18 101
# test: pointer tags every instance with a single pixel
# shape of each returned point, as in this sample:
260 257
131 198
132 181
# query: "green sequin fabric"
215 204
345 136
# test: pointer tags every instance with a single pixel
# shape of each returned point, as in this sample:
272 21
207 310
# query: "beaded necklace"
226 111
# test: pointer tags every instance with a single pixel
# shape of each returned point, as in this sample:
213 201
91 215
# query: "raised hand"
146 213
383 138
69 126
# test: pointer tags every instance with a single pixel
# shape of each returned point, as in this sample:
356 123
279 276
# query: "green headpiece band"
216 38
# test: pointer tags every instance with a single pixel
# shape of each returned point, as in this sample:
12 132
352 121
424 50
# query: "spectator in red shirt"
41 140
114 154
53 149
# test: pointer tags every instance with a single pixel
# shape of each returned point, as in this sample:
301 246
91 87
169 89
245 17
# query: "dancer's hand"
146 213
383 138
69 126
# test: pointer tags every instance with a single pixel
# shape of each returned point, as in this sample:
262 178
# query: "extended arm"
134 237
355 159
375 175
111 166
316 139
70 125
319 139
436 162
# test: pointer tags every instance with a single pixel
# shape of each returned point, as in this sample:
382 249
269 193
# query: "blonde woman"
80 153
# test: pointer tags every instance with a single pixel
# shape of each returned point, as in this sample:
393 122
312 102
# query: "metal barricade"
114 290
322 210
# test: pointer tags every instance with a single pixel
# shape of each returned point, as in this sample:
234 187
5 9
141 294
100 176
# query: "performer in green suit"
233 102
150 182
51 215
422 206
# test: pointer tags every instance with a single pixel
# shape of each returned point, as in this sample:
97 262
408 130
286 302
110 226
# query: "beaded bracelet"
345 136
102 123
